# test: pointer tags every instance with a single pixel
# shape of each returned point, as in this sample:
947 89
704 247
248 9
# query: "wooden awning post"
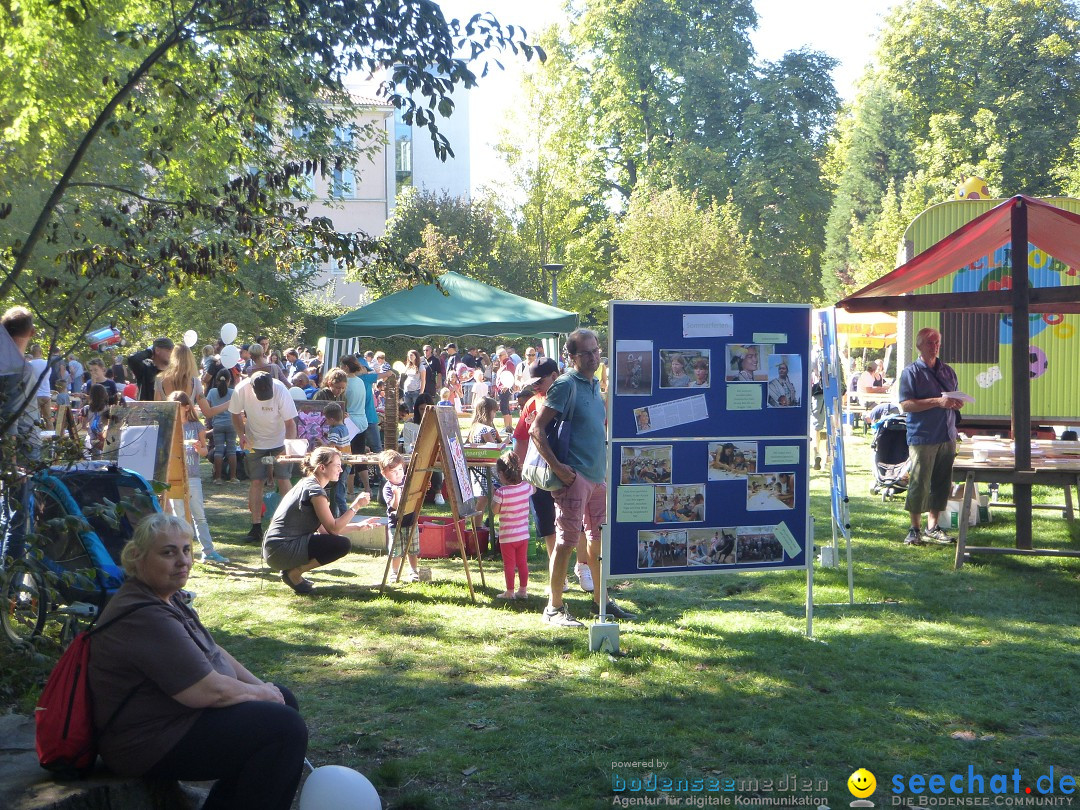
1021 366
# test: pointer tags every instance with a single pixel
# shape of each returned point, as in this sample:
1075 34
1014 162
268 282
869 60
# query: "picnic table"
1054 464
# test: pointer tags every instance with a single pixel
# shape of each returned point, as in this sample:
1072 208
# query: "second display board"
708 425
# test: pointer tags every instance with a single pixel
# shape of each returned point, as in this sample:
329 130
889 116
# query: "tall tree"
670 248
561 182
982 74
438 232
985 87
872 147
669 93
143 145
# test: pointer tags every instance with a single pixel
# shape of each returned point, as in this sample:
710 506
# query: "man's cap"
263 386
163 343
449 346
542 368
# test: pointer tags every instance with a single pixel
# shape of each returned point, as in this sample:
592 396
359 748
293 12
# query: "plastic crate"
437 536
476 542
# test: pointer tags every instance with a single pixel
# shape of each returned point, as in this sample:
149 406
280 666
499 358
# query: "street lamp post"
554 270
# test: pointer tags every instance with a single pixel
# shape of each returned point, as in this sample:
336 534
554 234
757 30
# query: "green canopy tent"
470 308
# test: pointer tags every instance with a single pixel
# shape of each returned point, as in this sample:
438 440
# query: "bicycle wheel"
25 604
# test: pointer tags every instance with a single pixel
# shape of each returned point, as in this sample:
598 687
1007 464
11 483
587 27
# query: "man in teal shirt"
583 498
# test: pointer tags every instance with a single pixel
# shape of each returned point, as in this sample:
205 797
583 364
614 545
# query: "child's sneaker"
505 595
393 578
439 499
214 557
521 593
412 576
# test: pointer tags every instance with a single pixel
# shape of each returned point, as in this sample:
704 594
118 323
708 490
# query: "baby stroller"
890 457
74 567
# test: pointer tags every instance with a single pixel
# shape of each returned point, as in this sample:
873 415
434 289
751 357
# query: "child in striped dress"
511 504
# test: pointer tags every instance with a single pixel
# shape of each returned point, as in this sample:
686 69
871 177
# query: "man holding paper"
925 388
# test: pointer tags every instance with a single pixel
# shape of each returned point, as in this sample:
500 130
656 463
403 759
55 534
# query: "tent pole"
1021 365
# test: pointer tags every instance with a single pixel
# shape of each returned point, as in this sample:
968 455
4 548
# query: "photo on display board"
634 373
767 491
676 504
684 368
730 460
664 548
785 381
755 544
711 546
747 362
643 420
646 464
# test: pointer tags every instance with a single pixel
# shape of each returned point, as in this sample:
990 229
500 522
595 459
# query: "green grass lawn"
445 703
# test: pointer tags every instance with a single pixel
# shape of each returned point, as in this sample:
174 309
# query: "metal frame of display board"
691 386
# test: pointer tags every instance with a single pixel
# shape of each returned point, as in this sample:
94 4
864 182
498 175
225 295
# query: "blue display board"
835 387
707 436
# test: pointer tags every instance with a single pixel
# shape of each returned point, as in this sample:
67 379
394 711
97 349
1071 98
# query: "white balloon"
506 378
191 337
335 787
228 333
230 356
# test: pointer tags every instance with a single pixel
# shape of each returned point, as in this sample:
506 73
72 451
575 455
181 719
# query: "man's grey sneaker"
937 535
560 617
613 611
913 538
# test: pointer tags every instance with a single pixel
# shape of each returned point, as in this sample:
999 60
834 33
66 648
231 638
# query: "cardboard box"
950 517
368 538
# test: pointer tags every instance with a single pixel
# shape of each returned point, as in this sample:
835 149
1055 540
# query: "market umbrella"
866 330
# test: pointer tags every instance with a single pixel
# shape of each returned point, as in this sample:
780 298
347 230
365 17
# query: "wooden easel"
169 465
438 447
65 423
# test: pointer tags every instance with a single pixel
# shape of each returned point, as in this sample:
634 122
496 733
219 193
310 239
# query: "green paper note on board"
635 505
744 397
787 539
782 454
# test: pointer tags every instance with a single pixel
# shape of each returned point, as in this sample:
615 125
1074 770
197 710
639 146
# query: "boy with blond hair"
392 467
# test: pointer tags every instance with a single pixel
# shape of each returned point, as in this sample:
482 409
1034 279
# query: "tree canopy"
959 88
670 95
147 146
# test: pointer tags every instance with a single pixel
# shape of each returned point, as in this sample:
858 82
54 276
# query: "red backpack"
64 718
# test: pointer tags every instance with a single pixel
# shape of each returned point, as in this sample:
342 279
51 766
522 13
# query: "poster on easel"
149 437
708 438
438 447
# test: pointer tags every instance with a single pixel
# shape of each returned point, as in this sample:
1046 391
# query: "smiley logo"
861 783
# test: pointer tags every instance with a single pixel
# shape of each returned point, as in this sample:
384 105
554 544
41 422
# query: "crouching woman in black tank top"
304 533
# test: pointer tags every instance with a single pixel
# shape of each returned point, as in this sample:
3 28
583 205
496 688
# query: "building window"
343 184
